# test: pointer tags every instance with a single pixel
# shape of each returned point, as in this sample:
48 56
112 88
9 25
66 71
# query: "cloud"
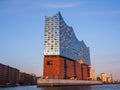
59 5
115 12
14 6
98 13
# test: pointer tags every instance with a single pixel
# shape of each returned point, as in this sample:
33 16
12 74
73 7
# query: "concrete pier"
63 82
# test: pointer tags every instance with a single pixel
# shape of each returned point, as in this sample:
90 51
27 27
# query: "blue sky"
97 22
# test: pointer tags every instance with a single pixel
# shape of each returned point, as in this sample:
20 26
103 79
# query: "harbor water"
92 87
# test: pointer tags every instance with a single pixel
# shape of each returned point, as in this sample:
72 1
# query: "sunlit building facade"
62 49
92 74
104 77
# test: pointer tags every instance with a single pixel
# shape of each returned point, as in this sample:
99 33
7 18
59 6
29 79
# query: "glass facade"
59 39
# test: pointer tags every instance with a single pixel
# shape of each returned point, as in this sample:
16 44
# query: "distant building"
92 74
27 79
9 76
63 52
104 77
109 80
112 80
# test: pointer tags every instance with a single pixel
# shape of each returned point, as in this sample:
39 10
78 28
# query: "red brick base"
58 67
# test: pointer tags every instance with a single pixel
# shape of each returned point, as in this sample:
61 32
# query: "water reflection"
93 87
68 88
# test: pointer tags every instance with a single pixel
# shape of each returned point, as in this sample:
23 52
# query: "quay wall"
63 82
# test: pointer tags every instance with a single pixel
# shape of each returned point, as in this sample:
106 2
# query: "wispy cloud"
115 12
14 6
98 13
61 5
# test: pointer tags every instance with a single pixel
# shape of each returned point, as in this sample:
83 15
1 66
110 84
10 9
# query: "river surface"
93 87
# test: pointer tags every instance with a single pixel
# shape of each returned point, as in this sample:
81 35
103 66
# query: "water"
94 87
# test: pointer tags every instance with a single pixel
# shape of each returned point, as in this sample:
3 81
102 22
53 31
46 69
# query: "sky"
97 22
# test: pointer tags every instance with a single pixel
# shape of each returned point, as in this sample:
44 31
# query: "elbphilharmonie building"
65 56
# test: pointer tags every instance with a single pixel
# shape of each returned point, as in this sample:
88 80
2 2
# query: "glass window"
49 62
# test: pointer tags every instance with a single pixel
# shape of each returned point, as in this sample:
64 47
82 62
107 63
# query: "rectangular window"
49 62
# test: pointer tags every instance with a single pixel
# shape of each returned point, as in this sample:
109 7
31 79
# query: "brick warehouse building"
65 57
9 76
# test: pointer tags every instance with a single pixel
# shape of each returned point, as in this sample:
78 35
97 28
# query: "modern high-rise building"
64 55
